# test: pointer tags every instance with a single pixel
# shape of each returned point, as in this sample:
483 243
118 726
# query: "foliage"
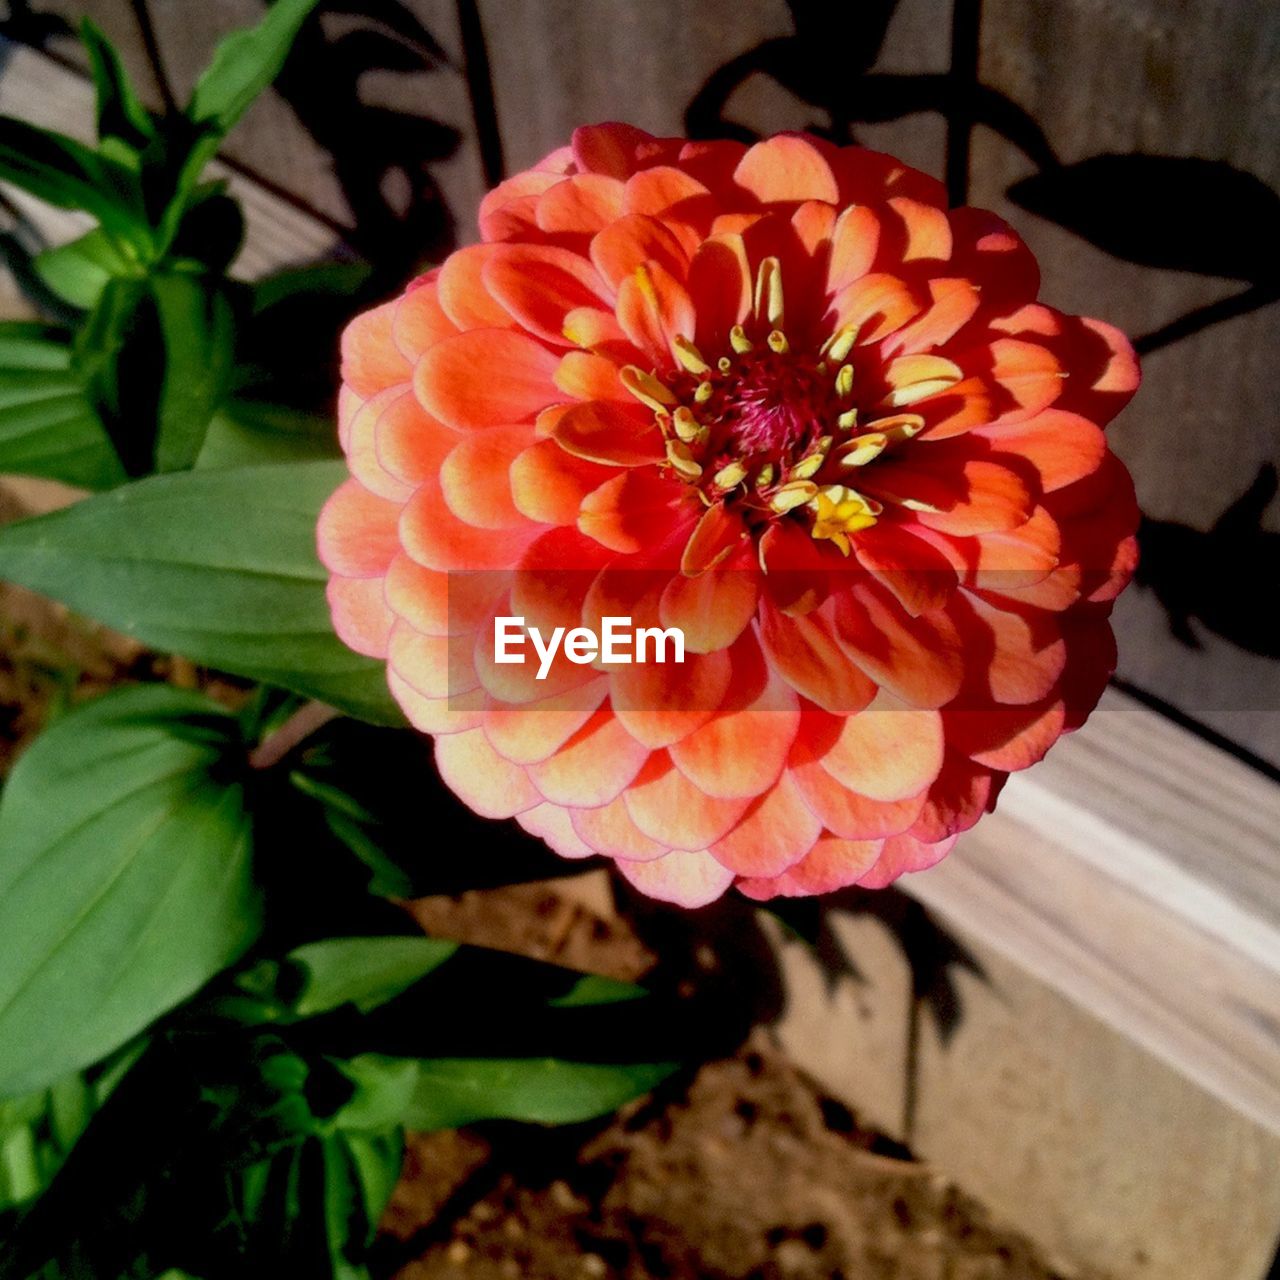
215 1021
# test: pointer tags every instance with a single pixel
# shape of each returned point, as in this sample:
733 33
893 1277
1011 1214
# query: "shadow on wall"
1227 579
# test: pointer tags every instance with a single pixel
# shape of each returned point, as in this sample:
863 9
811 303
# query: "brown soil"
749 1172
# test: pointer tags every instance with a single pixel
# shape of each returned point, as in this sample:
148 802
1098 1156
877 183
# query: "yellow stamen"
847 420
646 388
899 427
704 393
812 463
793 494
682 460
764 477
777 341
739 341
729 476
768 296
857 453
844 381
724 364
840 343
688 428
689 355
918 377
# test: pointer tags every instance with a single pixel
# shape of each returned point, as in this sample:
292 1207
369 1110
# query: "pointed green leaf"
125 879
47 425
197 331
120 114
244 64
365 972
449 1092
78 272
218 565
65 173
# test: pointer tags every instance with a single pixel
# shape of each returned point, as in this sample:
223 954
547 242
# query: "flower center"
773 430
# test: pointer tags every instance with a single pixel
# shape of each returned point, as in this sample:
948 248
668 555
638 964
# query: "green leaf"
360 1173
197 330
125 880
79 271
65 173
365 972
219 566
47 425
449 1092
245 433
244 64
121 115
121 395
595 989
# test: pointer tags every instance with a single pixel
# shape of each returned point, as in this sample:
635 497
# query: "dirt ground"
742 1170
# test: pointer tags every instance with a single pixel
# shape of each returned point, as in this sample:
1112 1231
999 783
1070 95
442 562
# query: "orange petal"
474 479
688 879
420 321
917 573
360 441
890 753
741 750
720 289
901 855
593 766
609 434
848 814
1062 446
438 539
875 305
438 603
608 829
962 793
540 285
660 703
371 360
360 614
713 609
805 654
854 244
925 230
953 303
465 296
918 659
533 731
434 715
410 443
481 778
717 535
632 241
486 377
548 484
774 833
631 511
357 534
586 376
830 865
786 167
581 204
554 825
1020 654
669 808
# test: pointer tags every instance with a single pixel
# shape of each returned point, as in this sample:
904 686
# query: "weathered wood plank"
1173 80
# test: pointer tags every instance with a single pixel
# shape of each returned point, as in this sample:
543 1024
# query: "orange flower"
781 398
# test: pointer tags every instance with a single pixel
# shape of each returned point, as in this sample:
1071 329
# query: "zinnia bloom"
778 396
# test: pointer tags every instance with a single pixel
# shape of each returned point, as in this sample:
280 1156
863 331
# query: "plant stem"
295 730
